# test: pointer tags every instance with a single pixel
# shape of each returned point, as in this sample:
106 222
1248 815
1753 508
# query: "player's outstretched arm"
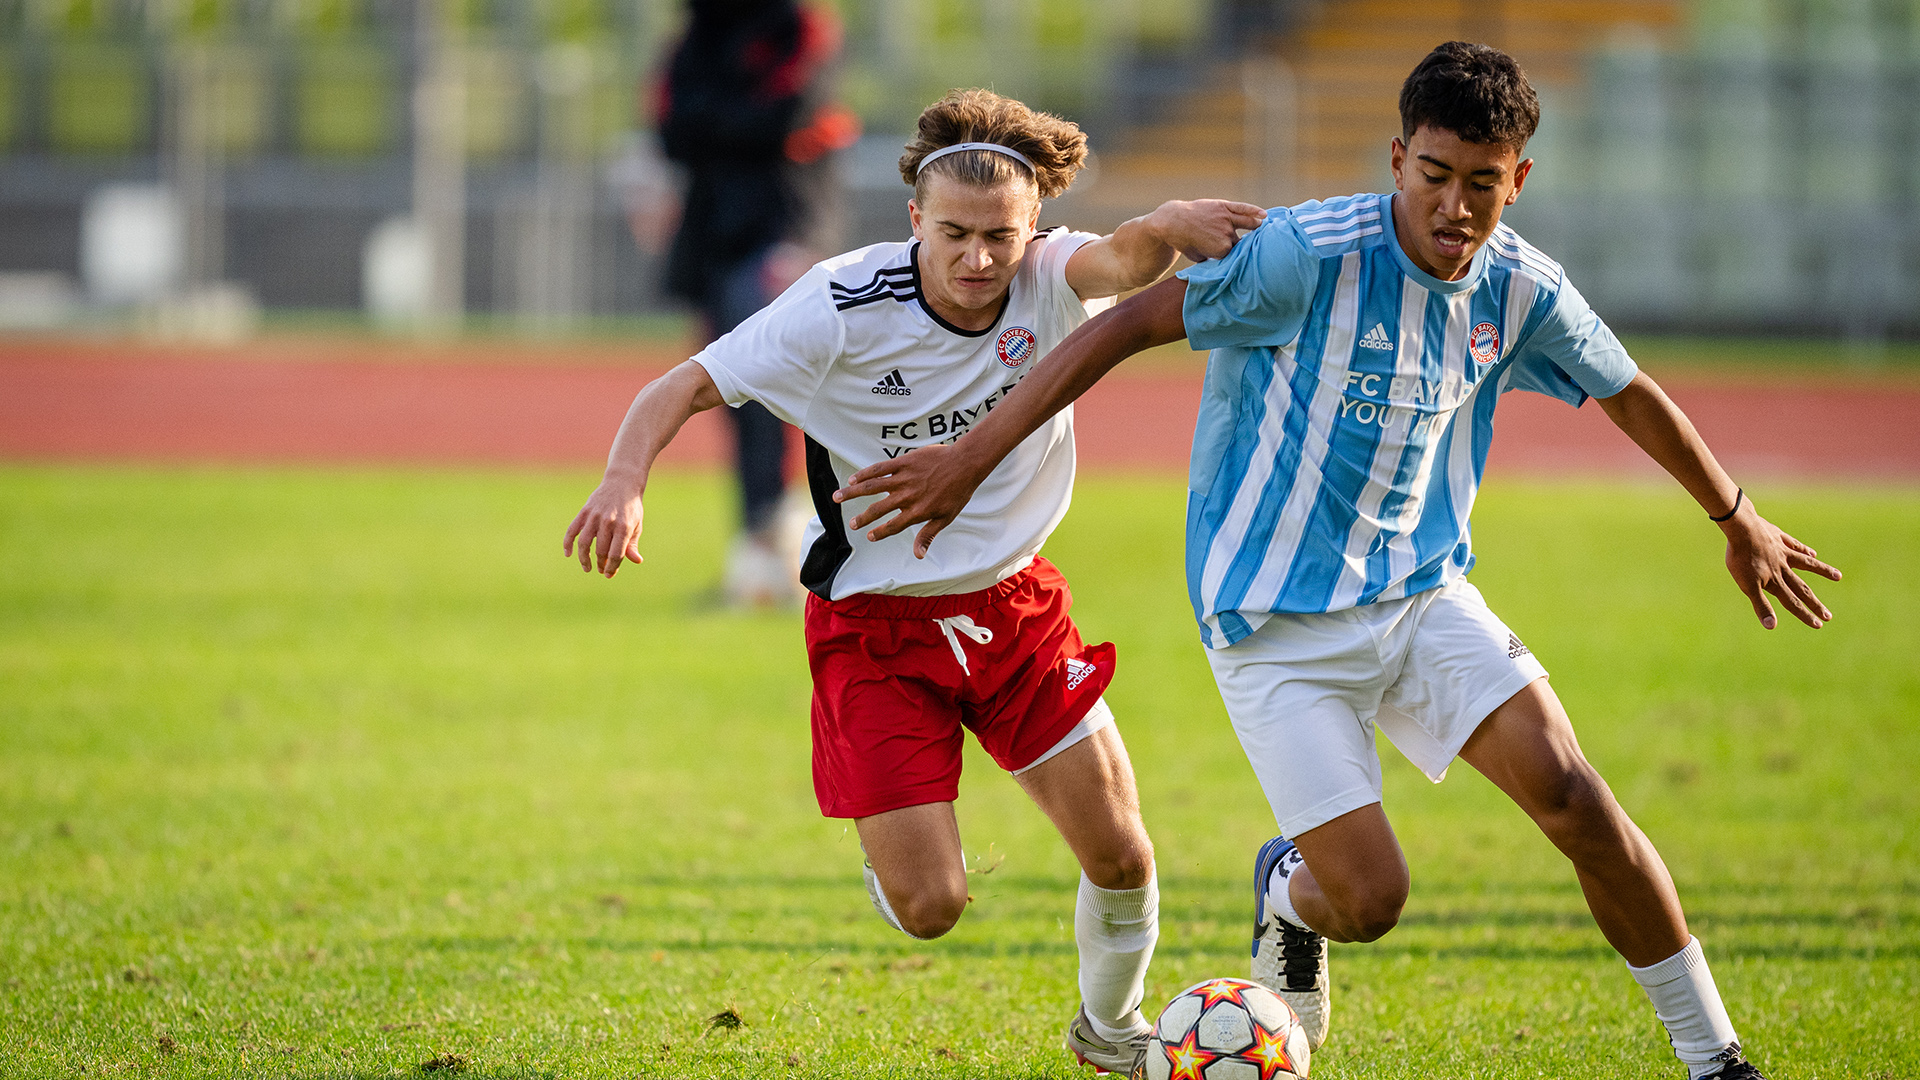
1761 558
1141 250
607 528
933 483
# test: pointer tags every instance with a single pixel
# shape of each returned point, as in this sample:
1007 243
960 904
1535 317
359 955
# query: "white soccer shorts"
1305 693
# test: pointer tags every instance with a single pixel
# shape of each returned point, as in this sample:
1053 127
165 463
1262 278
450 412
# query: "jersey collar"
920 295
1476 269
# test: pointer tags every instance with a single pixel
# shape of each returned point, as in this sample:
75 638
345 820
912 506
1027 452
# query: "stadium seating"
1343 66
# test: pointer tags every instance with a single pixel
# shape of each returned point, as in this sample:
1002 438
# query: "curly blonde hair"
1057 148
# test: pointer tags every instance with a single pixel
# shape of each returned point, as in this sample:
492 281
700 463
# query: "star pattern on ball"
1269 1051
1220 990
1187 1059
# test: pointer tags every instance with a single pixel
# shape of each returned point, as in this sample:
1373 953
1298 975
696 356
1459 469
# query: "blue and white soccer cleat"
1288 960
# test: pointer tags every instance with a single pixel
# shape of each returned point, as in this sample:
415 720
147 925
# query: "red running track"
64 401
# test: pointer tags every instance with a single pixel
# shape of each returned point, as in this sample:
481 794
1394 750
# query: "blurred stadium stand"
1704 165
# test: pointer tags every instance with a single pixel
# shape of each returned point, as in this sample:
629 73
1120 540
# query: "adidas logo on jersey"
892 385
1515 647
1377 339
1078 672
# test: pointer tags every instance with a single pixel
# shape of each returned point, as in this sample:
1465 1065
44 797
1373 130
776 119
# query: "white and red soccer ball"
1227 1029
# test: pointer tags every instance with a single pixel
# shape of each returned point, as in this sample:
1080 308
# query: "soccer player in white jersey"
904 345
1359 348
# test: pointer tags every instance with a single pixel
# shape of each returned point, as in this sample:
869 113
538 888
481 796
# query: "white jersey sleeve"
1055 248
781 354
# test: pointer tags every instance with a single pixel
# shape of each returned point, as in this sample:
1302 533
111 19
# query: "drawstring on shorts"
955 625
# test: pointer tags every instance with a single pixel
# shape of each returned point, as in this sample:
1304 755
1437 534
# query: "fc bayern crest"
1016 346
1484 343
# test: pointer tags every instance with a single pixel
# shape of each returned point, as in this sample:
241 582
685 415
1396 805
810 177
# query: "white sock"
1685 999
879 897
1116 929
1279 895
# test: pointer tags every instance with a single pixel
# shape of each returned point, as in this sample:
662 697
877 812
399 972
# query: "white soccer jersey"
853 356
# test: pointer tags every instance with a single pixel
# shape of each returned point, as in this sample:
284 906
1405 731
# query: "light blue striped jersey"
1349 406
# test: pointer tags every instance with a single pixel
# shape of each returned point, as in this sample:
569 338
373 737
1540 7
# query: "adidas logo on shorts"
1377 339
1078 671
1515 647
892 385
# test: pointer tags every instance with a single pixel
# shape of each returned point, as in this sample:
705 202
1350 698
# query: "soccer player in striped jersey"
896 346
1360 346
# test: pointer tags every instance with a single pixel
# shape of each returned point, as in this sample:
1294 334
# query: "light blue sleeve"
1257 294
1572 355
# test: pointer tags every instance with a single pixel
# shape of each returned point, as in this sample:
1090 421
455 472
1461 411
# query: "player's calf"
1087 791
1527 748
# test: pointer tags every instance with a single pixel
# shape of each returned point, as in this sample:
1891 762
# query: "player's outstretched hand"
1763 560
607 529
923 485
1204 228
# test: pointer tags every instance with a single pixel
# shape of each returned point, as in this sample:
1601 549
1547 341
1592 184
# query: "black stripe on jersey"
892 275
831 551
898 288
902 297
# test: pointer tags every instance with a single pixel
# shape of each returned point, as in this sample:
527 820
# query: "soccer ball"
1227 1029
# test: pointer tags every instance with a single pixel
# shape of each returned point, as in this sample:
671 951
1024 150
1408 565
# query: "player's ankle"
1280 891
1684 997
1120 1029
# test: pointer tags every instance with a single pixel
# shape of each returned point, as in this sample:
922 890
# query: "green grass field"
336 774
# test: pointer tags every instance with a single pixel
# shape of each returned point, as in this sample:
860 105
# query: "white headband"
993 147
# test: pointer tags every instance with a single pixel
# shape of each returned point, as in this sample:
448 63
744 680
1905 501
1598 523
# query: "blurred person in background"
745 109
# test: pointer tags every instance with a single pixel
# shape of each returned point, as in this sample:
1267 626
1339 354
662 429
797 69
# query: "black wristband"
1738 494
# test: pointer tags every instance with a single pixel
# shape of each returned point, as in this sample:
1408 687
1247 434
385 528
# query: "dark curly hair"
1058 148
1475 91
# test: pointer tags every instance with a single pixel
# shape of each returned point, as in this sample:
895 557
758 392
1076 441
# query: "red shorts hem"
871 803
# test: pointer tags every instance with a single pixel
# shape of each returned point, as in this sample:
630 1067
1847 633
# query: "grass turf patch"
344 774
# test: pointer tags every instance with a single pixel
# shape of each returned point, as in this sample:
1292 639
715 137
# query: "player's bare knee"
1129 867
1365 910
927 929
931 913
1576 807
1375 914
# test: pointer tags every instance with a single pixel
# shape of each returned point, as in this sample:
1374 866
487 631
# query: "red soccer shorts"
896 678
